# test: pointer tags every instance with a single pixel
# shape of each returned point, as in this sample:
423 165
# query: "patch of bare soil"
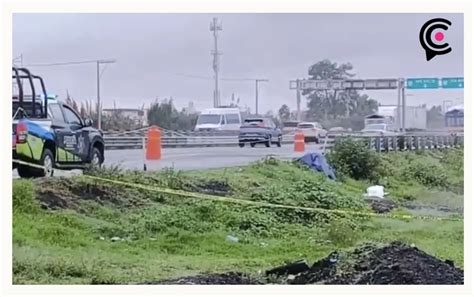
211 187
60 193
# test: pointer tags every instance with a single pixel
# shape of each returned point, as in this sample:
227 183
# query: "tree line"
346 108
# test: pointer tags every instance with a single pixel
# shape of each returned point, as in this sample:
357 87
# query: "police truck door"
77 141
63 134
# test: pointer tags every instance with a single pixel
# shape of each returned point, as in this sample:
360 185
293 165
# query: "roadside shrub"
314 190
343 231
454 159
353 158
24 197
429 174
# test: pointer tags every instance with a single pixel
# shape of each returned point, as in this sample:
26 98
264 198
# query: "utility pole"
256 93
215 27
399 103
97 62
99 106
404 105
99 109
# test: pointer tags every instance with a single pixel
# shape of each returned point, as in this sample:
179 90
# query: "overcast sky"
152 49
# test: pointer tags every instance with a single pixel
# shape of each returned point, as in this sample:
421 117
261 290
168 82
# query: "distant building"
139 116
454 117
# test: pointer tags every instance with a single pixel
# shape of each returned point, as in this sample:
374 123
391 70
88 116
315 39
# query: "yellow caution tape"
182 193
28 164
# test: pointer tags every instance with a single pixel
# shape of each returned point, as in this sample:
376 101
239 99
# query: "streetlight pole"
256 93
403 106
99 110
399 104
99 106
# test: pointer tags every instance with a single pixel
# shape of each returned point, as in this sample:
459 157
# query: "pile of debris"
394 263
381 205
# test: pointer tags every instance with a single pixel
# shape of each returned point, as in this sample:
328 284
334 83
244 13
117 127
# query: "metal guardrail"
170 133
112 142
378 143
407 142
188 133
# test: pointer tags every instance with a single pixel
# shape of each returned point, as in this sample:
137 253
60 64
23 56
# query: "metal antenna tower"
215 27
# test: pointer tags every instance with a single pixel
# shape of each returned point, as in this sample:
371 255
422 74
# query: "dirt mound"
396 263
230 278
391 264
211 187
381 205
60 193
57 193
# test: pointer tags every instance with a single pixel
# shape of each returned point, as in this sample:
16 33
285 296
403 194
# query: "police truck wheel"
241 144
97 158
47 161
252 144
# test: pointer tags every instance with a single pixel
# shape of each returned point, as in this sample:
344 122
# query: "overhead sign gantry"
399 84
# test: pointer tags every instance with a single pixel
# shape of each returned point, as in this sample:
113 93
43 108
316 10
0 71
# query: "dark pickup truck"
49 133
259 130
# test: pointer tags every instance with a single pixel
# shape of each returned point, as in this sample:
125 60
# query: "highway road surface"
196 158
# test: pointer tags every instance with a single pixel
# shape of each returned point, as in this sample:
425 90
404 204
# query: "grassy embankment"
163 236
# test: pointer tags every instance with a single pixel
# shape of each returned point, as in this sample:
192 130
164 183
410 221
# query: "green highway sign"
452 82
422 83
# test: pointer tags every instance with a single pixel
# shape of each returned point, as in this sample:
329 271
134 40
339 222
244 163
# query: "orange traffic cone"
299 141
153 147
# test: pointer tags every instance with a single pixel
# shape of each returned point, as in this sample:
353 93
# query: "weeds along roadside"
83 215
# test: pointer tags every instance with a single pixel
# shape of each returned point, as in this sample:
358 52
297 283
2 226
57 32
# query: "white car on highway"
313 131
289 127
379 130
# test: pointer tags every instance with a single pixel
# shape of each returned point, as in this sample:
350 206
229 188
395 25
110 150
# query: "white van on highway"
223 119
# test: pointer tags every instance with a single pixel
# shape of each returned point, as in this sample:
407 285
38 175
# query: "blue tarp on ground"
317 162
